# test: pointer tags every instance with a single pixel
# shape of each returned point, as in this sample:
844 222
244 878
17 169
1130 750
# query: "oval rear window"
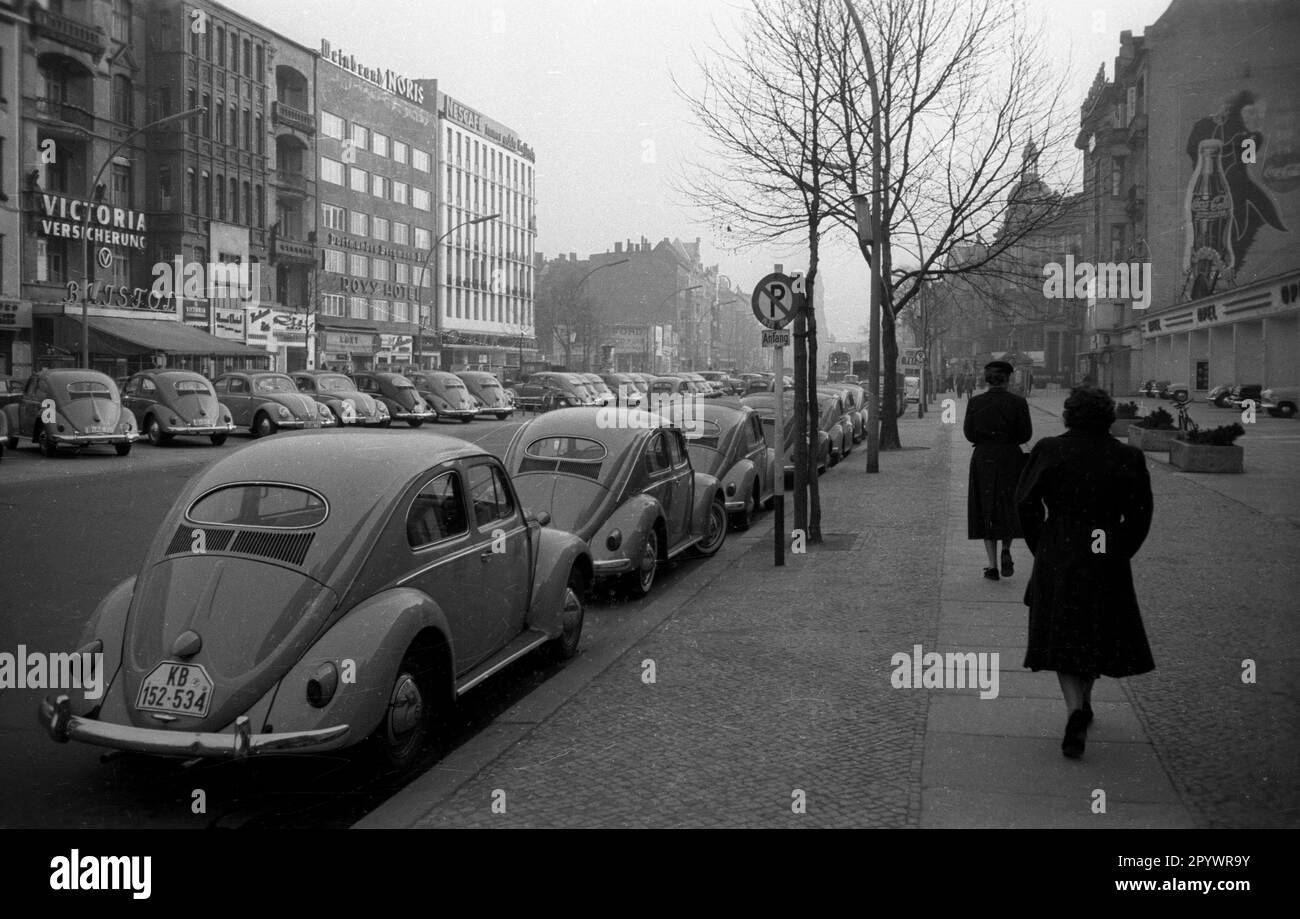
569 448
260 504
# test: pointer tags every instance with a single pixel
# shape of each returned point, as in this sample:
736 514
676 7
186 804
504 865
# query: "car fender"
373 636
634 518
108 624
558 553
742 475
272 408
707 489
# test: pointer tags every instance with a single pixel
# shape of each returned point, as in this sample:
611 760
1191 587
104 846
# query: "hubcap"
405 711
155 432
717 520
648 562
572 615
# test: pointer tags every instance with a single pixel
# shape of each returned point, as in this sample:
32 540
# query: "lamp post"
419 286
577 291
867 215
85 226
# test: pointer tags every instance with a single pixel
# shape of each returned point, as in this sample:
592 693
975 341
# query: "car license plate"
96 429
177 689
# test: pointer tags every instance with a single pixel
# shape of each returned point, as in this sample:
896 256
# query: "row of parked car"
1278 401
417 564
78 408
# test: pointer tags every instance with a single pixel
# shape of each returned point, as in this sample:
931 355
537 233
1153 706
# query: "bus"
838 365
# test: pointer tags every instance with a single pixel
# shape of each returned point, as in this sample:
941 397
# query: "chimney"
573 256
618 248
645 243
630 247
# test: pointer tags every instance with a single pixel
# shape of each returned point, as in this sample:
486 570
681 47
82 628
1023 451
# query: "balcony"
290 117
292 250
291 180
62 112
69 31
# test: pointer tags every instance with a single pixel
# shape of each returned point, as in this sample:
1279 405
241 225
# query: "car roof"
726 413
73 374
592 423
474 374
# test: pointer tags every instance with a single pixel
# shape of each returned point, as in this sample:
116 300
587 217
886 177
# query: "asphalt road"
73 527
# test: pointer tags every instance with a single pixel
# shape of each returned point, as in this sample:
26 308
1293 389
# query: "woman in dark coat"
1085 507
997 423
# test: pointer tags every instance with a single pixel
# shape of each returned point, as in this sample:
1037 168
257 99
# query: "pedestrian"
1085 508
997 423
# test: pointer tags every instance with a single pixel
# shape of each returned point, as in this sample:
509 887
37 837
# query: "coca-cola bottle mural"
1209 210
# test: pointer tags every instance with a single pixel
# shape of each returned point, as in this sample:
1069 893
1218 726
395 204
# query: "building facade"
15 312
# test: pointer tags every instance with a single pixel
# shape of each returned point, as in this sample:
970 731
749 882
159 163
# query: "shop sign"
349 341
15 315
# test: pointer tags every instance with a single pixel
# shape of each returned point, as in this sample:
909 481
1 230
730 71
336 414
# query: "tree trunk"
814 487
800 421
889 439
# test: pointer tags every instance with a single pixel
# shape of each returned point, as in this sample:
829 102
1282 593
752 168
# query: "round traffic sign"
773 301
105 257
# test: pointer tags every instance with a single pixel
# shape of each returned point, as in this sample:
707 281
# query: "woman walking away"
1085 507
997 423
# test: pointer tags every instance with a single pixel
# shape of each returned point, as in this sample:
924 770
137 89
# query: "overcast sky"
587 84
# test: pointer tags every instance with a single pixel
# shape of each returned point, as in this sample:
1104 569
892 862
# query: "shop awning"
114 337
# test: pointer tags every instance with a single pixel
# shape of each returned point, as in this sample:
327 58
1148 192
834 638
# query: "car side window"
237 385
676 449
147 386
437 513
489 495
130 388
306 384
657 457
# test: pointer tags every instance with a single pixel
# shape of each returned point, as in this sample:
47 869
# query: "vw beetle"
487 389
447 394
340 395
765 404
167 403
289 605
622 480
398 394
725 439
70 408
265 401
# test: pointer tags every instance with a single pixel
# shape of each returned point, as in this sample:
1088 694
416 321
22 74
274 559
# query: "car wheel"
466 420
263 426
1224 401
716 533
12 441
404 727
415 422
48 449
386 423
1284 410
565 645
640 581
122 449
218 439
155 432
502 416
745 518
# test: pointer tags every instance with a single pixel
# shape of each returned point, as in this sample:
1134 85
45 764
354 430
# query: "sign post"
773 306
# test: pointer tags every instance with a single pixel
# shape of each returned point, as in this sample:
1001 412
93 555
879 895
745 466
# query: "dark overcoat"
1085 506
997 423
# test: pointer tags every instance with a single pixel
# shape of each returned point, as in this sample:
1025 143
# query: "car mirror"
543 518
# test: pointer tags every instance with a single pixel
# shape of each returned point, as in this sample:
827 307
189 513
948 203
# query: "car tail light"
614 541
321 686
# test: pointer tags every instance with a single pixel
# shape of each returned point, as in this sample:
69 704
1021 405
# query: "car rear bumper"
85 440
200 431
59 722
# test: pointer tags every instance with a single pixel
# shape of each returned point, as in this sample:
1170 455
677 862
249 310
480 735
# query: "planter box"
1205 458
1149 440
1121 426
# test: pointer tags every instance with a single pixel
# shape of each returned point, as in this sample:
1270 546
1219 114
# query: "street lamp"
577 289
85 227
419 286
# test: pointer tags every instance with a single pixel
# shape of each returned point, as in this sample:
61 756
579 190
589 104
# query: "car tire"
745 519
122 449
403 729
1283 410
11 441
386 423
716 535
502 416
217 439
154 431
466 420
638 583
1224 401
263 426
47 447
415 422
565 645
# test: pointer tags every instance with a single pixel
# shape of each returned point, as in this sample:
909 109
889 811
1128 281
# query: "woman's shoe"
1076 734
991 573
1008 566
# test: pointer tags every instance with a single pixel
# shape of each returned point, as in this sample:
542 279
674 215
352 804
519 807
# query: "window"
219 121
234 126
402 273
401 233
248 202
282 507
359 265
207 196
490 495
421 199
207 44
379 186
122 100
261 135
401 311
379 144
379 310
336 262
332 304
221 199
334 218
358 308
165 188
234 52
192 189
379 228
207 115
221 47
361 137
379 269
248 58
420 159
437 512
120 193
423 239
261 206
1117 242
195 38
401 152
261 65
234 201
248 130
331 125
360 224
657 456
400 190
331 171
359 179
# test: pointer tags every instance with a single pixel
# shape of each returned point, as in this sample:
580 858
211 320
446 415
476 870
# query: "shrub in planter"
1153 433
1208 451
1125 414
1159 420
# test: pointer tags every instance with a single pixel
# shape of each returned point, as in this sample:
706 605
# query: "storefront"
16 338
1245 335
281 334
122 346
347 349
499 354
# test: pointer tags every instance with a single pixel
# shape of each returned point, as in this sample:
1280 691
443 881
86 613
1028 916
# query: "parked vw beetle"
70 408
1281 401
264 402
725 439
447 394
765 404
622 480
855 406
346 403
167 403
288 605
398 394
487 389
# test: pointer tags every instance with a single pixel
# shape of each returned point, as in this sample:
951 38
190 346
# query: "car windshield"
334 383
275 384
192 386
255 504
89 389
